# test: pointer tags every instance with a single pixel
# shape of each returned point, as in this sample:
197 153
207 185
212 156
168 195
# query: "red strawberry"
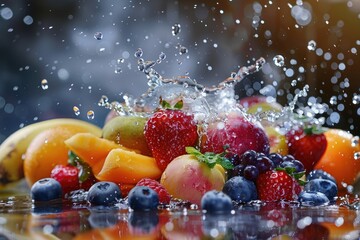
168 132
67 176
276 185
306 145
164 196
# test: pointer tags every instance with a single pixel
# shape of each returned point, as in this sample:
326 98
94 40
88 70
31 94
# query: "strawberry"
164 196
168 132
307 145
67 176
276 185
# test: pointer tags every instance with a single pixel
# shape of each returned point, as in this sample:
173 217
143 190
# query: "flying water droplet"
44 84
355 141
311 45
76 110
357 155
183 50
98 35
356 99
333 100
139 52
104 100
279 60
175 29
90 114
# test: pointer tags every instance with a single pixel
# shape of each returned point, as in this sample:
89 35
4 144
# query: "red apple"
236 134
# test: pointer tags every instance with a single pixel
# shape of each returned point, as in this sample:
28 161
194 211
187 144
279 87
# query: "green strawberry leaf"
166 105
210 158
84 169
179 105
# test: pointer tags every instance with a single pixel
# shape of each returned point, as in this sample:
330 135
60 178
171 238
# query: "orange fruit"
48 149
339 159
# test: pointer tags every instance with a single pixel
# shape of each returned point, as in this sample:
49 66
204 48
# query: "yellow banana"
14 147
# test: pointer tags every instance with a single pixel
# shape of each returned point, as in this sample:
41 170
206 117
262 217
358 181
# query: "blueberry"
318 173
216 202
248 157
143 198
251 172
299 166
276 158
46 189
104 193
238 170
263 163
312 198
329 188
240 189
288 157
287 164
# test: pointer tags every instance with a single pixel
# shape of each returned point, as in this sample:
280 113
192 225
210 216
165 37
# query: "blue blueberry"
276 158
311 198
104 194
248 157
263 163
216 202
318 173
143 198
287 164
299 166
327 187
251 172
46 189
240 189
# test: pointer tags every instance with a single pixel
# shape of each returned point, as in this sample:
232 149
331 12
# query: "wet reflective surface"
22 219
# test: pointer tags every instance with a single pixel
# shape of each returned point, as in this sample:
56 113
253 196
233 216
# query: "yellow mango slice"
91 149
123 166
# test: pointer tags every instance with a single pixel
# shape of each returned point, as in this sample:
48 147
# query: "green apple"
127 131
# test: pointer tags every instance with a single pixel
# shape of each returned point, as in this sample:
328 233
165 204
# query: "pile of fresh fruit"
169 155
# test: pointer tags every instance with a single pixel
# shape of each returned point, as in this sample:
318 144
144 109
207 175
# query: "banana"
14 147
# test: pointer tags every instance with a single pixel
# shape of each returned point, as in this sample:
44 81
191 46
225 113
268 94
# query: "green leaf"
84 169
210 158
179 105
164 104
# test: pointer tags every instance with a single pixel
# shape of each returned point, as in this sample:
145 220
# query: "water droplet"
311 45
162 56
98 35
104 100
356 99
138 53
357 155
44 84
333 100
120 60
76 110
355 141
279 60
175 29
293 83
183 50
90 114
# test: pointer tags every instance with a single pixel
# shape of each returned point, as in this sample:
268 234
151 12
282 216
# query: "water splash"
98 36
44 84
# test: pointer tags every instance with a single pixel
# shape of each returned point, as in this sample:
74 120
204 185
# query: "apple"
236 134
127 131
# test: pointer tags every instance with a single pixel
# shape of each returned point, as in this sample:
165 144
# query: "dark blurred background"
54 41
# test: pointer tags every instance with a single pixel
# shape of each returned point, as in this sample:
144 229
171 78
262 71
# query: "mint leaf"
210 158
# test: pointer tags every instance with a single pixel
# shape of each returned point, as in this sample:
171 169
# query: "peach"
188 179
